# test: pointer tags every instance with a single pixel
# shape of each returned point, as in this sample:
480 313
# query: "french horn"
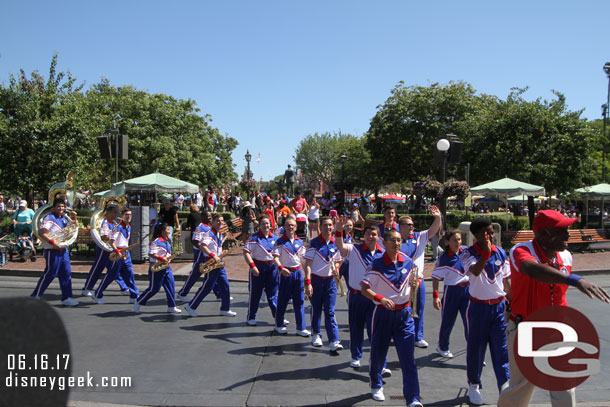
97 217
65 237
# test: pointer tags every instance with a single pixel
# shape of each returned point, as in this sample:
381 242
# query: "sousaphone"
65 237
97 217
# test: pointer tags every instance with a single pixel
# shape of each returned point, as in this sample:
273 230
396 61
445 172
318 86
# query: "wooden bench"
232 232
362 224
84 239
578 240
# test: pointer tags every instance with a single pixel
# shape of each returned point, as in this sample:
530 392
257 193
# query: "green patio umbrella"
599 191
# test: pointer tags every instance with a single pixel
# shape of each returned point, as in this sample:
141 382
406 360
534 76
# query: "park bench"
84 239
232 232
359 227
579 239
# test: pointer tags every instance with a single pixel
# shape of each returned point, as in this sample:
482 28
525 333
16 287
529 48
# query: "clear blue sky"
272 72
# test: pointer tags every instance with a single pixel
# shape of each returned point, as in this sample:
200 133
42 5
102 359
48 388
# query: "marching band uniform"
360 309
321 253
414 247
381 228
456 298
344 269
121 267
160 247
485 314
212 239
58 262
198 258
101 261
260 247
391 280
290 253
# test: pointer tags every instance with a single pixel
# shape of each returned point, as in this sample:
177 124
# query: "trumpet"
414 284
335 271
123 256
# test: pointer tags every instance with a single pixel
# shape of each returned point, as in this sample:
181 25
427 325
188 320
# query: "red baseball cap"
551 219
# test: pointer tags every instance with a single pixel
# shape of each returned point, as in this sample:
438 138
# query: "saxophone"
414 285
212 265
158 266
123 256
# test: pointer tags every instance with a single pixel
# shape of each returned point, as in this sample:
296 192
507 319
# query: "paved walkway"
237 270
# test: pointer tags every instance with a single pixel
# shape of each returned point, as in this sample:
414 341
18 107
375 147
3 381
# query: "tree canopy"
51 126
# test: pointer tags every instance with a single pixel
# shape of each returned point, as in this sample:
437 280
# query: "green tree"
402 137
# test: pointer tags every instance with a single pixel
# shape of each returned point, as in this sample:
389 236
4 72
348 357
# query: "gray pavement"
212 360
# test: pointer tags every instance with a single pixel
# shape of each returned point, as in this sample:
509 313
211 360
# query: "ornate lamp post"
248 157
605 116
343 161
443 147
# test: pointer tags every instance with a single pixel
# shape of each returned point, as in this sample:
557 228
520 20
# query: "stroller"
302 227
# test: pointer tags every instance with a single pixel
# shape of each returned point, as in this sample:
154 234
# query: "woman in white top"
313 216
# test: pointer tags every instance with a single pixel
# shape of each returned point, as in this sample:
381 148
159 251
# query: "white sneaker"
251 322
86 293
304 333
378 394
475 395
131 301
173 310
98 300
335 346
136 307
190 311
421 344
385 372
416 404
69 302
184 298
316 340
355 363
281 330
286 322
228 313
444 353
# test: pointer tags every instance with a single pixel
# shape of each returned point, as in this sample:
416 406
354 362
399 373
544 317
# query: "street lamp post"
248 157
605 114
343 160
443 147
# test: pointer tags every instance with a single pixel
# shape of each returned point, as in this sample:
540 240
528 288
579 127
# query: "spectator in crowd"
194 218
313 217
2 204
22 218
179 200
169 215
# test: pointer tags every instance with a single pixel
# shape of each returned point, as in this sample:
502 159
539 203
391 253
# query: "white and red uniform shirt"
120 235
213 241
198 234
415 247
449 267
321 253
360 257
391 279
160 247
489 285
529 295
289 252
260 246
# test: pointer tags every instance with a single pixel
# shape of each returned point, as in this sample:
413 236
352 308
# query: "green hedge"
423 221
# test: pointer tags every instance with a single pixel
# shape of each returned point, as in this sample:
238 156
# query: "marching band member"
360 309
101 256
388 283
263 271
488 272
388 223
348 227
211 247
414 246
320 284
287 254
199 256
450 268
122 266
159 251
57 259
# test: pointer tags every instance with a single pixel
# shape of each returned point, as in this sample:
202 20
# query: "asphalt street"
212 360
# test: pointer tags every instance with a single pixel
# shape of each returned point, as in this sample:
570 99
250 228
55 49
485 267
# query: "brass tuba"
97 217
67 236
